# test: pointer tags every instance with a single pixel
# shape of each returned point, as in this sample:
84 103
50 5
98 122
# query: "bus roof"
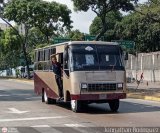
79 42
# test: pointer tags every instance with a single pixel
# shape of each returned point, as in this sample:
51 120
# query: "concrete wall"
10 72
146 63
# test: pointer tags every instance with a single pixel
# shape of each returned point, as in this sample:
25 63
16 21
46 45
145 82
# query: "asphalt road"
21 111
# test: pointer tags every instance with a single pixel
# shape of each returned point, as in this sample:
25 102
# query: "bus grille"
102 87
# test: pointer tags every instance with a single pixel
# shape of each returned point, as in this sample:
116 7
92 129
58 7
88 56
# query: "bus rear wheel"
46 99
114 105
75 106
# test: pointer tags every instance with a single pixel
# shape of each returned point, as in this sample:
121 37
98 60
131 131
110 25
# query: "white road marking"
22 94
74 125
41 126
5 95
16 111
49 129
31 119
33 98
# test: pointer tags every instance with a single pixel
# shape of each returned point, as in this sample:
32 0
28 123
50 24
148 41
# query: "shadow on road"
129 107
18 95
125 107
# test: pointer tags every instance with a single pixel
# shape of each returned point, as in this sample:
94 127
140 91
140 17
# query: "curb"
21 80
139 96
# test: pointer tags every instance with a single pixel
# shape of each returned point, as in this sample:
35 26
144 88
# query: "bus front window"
102 57
85 61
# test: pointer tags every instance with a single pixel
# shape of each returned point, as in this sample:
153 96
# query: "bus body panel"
66 86
45 80
72 84
94 78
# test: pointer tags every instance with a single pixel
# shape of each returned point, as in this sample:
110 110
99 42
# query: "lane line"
32 119
41 126
47 129
16 111
74 125
5 95
34 98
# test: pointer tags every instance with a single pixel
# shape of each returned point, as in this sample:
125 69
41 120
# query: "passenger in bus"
57 69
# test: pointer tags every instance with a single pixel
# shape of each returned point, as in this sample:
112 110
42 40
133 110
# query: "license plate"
102 96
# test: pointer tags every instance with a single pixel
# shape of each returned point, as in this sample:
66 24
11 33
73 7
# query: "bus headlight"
120 86
84 86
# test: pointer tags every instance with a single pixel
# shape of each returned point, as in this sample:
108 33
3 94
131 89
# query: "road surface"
21 111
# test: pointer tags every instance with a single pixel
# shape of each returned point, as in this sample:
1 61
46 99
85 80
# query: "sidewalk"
145 90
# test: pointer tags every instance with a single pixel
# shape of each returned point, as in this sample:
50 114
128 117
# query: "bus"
93 72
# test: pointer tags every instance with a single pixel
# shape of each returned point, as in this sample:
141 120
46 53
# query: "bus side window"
44 53
49 54
53 51
39 55
35 56
60 59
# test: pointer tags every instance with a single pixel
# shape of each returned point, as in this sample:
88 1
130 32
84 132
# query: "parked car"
31 68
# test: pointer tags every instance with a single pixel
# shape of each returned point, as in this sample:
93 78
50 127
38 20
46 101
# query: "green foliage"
111 19
36 37
102 7
48 17
142 27
75 35
10 47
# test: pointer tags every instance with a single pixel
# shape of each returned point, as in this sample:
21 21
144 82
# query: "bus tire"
114 105
47 100
75 106
43 95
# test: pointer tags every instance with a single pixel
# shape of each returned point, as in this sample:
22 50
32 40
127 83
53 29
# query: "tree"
10 49
75 35
141 29
48 17
111 19
150 10
102 7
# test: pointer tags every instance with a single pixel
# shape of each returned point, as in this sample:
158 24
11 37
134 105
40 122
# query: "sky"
81 20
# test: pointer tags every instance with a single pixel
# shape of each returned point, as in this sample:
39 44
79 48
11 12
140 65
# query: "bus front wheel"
114 105
75 105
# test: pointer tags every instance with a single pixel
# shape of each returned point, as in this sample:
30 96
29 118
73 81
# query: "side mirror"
126 56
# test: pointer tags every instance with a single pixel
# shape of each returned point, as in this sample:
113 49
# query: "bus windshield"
96 57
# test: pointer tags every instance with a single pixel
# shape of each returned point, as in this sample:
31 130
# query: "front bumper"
97 97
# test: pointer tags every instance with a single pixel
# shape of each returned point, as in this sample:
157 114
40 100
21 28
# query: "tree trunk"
26 59
104 28
47 39
24 50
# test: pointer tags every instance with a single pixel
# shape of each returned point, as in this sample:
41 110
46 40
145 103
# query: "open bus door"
66 75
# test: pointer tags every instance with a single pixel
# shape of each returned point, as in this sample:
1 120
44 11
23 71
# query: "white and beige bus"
93 72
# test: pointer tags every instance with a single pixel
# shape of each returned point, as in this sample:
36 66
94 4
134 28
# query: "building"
4 26
21 29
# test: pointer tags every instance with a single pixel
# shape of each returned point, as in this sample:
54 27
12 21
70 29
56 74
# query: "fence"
146 63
